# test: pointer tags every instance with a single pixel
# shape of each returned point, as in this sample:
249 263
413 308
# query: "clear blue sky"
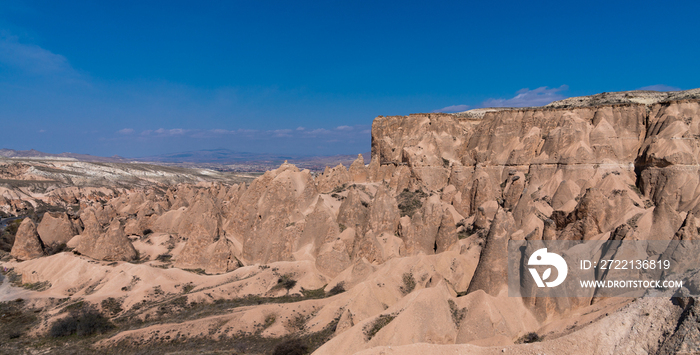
142 78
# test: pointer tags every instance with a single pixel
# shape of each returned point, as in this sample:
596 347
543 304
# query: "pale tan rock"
200 225
447 233
137 226
201 220
392 246
425 317
448 194
320 227
400 179
333 258
566 192
110 245
368 247
374 171
421 236
56 228
513 190
353 213
482 191
491 275
384 212
220 257
358 172
332 178
27 244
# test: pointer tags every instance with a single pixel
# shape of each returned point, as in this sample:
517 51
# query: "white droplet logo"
542 257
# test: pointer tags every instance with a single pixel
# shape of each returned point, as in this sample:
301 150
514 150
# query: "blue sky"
142 78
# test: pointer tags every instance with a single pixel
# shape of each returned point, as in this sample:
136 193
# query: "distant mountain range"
32 153
221 156
219 159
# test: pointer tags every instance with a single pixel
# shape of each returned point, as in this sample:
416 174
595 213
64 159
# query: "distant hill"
32 153
221 156
219 159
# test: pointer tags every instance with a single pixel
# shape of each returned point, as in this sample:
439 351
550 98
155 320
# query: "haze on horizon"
137 79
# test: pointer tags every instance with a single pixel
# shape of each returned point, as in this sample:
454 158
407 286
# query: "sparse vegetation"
164 258
269 320
409 201
463 234
83 321
636 190
617 192
297 323
37 286
409 283
313 294
337 289
55 248
531 337
341 227
7 237
198 271
457 313
340 188
13 278
383 320
15 320
285 281
73 306
188 287
112 306
632 222
291 347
